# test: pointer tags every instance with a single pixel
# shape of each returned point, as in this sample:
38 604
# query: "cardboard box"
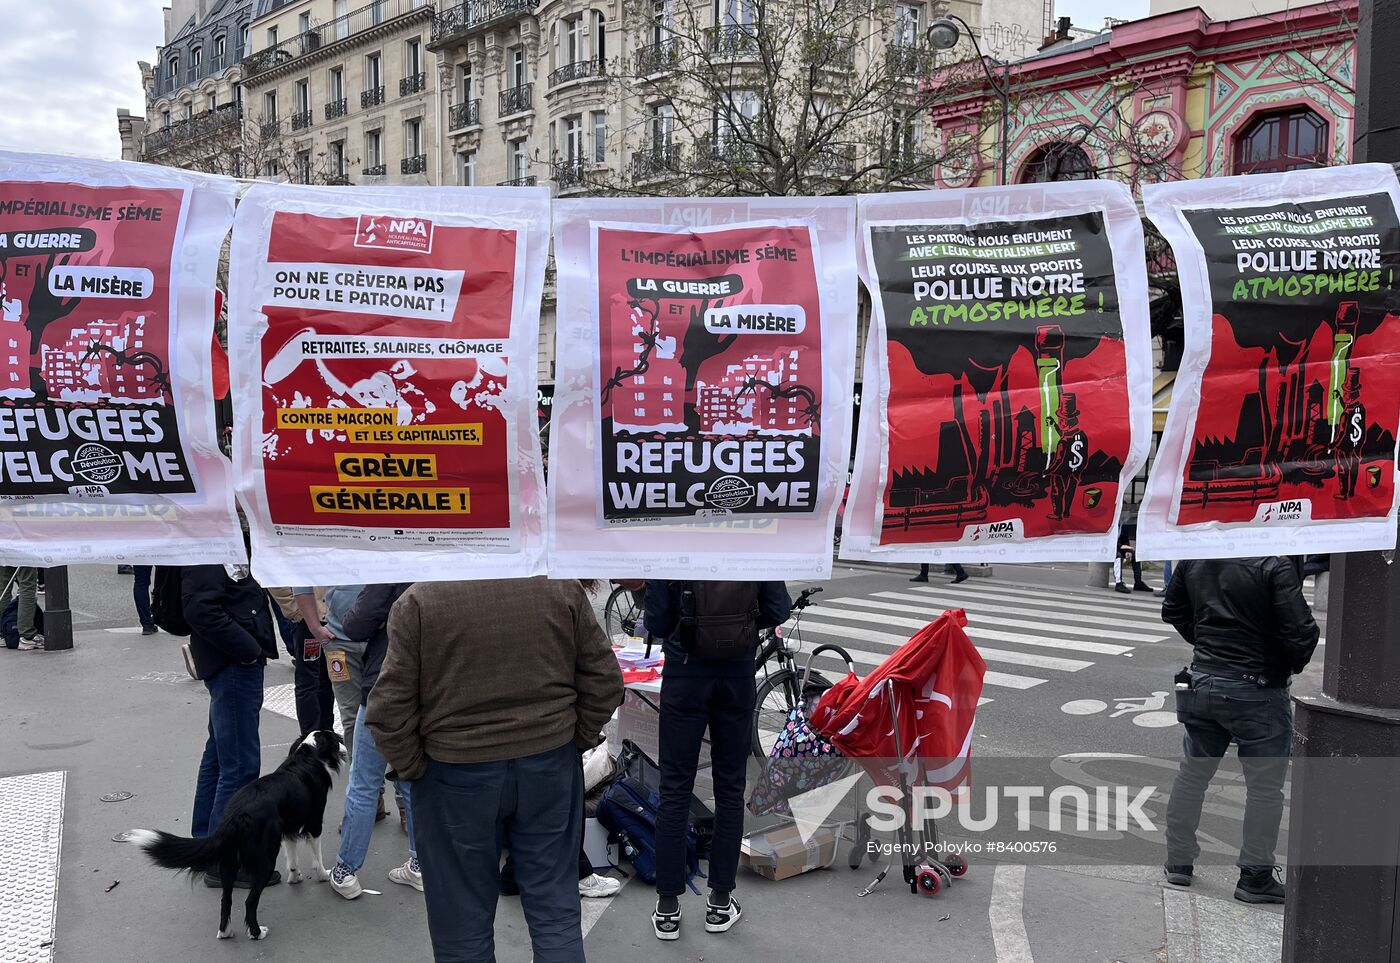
602 854
779 852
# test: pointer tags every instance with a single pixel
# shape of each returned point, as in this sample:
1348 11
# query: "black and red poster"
710 354
1007 409
1291 397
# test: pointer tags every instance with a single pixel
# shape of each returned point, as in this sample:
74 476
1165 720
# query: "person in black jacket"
1252 631
367 621
231 640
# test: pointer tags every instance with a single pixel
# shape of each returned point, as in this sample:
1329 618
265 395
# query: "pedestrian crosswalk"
1027 634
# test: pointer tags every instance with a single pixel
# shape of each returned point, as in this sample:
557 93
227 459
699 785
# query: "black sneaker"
719 919
149 630
919 578
242 881
1120 587
1178 875
1142 587
1260 885
666 926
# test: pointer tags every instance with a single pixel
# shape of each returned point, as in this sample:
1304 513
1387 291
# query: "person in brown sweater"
489 692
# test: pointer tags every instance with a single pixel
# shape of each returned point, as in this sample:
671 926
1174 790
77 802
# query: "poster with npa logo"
384 351
706 352
106 416
1282 434
1011 354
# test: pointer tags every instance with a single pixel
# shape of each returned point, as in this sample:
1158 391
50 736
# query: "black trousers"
688 706
315 698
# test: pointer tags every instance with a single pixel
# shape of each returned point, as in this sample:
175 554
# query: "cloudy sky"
67 65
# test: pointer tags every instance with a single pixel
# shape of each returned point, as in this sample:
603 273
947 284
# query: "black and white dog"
281 809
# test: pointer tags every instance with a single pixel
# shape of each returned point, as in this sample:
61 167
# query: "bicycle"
622 612
779 690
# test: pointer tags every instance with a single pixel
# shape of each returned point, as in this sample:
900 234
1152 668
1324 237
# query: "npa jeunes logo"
1285 512
395 233
1007 531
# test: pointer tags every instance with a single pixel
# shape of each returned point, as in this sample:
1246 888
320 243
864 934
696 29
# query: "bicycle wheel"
620 612
777 694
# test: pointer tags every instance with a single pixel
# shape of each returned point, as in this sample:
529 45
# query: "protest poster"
383 347
1011 367
1281 438
701 420
108 449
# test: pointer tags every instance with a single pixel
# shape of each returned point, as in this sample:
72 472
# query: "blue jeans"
1216 712
233 751
141 594
362 798
463 811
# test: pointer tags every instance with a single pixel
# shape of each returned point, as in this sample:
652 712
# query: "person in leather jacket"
1251 631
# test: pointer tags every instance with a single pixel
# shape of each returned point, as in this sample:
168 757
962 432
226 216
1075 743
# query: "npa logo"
1284 512
993 532
395 233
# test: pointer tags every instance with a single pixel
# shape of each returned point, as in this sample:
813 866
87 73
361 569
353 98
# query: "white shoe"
345 883
407 875
31 644
599 887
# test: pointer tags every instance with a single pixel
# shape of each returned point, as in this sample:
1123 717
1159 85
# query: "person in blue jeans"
1251 631
367 621
231 640
141 595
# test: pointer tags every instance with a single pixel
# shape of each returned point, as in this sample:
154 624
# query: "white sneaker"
31 644
408 875
599 887
345 883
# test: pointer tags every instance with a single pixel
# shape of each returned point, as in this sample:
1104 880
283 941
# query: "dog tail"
181 852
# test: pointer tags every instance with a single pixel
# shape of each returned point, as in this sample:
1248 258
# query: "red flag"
937 680
218 356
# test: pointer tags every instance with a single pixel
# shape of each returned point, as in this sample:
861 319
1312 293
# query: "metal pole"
1005 126
1350 912
58 618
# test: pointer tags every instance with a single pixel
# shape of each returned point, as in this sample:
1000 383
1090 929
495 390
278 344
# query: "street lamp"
944 34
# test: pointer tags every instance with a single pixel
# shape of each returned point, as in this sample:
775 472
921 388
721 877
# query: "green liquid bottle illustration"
1343 339
1049 368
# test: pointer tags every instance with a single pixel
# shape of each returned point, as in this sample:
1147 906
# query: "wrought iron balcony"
580 70
378 170
416 164
657 58
570 173
372 97
655 160
724 151
413 83
835 159
910 60
227 117
337 108
303 119
517 100
527 181
734 40
338 180
828 51
465 114
458 21
332 31
269 127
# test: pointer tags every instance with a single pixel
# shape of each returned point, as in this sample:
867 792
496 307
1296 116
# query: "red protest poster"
710 367
383 372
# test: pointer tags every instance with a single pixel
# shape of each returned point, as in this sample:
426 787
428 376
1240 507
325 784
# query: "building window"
304 167
374 155
517 67
174 67
908 18
220 48
270 105
600 136
337 159
374 72
340 10
600 36
413 57
907 135
571 41
165 118
272 36
1291 140
213 103
573 141
465 83
303 94
270 168
466 168
196 58
659 27
413 137
740 12
304 22
245 40
1058 161
519 159
189 109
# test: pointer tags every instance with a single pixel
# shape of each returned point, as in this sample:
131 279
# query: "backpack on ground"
9 623
168 600
628 810
719 620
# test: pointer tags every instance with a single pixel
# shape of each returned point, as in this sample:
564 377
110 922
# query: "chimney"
1062 31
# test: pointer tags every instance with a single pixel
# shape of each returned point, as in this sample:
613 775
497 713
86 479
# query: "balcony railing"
372 97
465 114
413 83
200 125
734 40
655 160
356 21
337 108
460 20
580 70
835 159
527 181
269 127
303 119
517 100
167 83
910 60
725 151
338 180
828 51
416 164
657 58
378 170
570 173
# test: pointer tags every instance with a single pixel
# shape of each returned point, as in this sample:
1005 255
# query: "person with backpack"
711 643
231 640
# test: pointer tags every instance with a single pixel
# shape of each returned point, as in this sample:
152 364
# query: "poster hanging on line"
1281 438
383 349
701 420
108 451
1010 365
